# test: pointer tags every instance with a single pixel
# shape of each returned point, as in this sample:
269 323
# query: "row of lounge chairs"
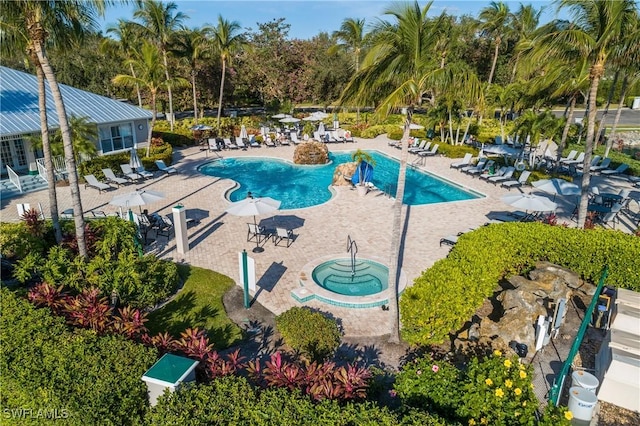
420 148
598 164
129 176
333 136
483 168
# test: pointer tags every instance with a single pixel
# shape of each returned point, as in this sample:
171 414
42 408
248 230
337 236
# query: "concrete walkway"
217 239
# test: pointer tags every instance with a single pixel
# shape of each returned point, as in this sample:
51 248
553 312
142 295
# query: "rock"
570 278
311 153
342 174
512 326
529 303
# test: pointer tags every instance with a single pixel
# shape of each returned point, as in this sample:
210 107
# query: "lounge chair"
463 163
431 153
240 144
348 137
22 209
213 145
317 136
129 173
268 142
478 171
618 171
570 157
163 167
108 173
253 142
425 144
594 162
164 226
522 180
604 165
453 239
145 174
282 234
507 175
294 138
574 162
487 173
228 144
479 165
284 141
92 182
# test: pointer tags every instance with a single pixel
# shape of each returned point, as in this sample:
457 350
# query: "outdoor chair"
421 146
108 173
574 162
129 173
93 182
479 165
487 173
240 144
144 173
284 141
522 180
253 142
99 214
478 171
165 227
22 209
464 162
213 145
507 175
228 144
283 234
256 233
431 153
602 166
594 162
164 168
426 148
570 157
618 171
268 142
348 137
294 138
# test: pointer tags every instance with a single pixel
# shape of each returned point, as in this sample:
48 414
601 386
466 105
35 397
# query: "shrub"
16 240
456 151
309 332
94 166
432 307
373 131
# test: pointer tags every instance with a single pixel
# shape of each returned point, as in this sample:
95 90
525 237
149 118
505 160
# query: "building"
121 126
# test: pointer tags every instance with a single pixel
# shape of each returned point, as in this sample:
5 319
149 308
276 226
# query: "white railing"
58 164
42 170
14 178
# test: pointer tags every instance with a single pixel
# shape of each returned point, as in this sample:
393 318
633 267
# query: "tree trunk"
466 130
614 127
154 112
46 152
565 131
450 128
596 74
495 59
396 236
515 67
195 98
224 71
166 73
133 73
601 128
69 155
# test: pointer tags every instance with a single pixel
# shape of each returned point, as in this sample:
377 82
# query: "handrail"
14 178
42 170
352 248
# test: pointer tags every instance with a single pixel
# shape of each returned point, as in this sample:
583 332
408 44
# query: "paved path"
217 239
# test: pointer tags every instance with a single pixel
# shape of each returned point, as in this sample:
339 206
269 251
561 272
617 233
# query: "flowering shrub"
490 391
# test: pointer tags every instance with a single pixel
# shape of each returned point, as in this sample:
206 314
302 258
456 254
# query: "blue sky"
307 17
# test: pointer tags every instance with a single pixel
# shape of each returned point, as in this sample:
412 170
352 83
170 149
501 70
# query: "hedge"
309 332
94 166
447 294
86 378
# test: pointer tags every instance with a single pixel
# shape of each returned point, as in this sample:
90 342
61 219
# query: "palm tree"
225 41
396 73
352 38
160 23
494 19
190 45
128 38
525 22
42 20
597 26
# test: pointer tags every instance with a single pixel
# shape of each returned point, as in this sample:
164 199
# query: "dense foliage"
434 307
87 378
161 151
309 332
231 400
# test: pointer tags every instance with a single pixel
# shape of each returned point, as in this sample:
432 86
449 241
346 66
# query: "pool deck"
216 240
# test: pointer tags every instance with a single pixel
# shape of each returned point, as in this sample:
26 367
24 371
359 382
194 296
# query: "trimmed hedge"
447 294
94 166
309 332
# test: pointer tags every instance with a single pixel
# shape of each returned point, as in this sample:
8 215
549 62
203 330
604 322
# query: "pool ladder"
352 248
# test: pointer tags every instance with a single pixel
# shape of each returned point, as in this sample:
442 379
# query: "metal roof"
19 105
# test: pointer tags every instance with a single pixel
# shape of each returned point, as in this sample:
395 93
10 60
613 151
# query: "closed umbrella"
557 187
243 132
254 207
529 202
134 160
321 129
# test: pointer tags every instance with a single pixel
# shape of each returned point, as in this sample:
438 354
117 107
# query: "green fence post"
245 277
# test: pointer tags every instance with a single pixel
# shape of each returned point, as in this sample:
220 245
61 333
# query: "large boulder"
342 174
311 153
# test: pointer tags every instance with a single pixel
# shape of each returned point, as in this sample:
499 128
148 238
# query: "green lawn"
198 304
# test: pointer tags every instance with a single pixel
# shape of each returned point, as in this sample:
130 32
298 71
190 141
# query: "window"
116 138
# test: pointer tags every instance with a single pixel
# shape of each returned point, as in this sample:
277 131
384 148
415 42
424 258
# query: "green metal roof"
170 369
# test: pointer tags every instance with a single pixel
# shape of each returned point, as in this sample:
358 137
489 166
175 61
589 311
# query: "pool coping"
308 290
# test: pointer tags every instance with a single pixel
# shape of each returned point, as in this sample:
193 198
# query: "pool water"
299 186
335 275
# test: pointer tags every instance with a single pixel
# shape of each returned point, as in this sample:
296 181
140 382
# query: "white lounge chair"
431 153
420 147
506 176
163 167
522 180
464 162
111 177
604 165
268 142
240 144
570 157
294 138
228 144
478 171
22 209
129 173
618 171
213 144
92 182
487 173
479 165
578 160
144 173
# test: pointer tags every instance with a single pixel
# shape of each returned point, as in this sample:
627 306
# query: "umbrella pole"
257 248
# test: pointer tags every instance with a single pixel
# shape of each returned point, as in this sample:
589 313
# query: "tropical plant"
360 156
194 343
84 135
129 38
225 42
494 23
190 46
160 21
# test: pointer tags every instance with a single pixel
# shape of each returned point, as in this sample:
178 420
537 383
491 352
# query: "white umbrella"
557 187
200 127
243 132
289 120
137 198
413 126
312 118
529 202
320 114
134 160
254 207
321 129
281 115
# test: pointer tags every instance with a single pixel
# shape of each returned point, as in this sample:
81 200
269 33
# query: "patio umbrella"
134 160
413 126
312 118
289 120
243 132
557 187
137 198
200 127
320 114
281 115
529 202
254 207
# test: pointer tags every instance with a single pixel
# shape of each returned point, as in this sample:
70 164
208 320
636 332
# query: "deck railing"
42 170
14 178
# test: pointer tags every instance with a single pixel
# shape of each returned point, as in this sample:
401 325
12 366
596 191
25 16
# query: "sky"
308 17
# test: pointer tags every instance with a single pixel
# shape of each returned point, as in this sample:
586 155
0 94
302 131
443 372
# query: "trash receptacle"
635 104
584 380
582 403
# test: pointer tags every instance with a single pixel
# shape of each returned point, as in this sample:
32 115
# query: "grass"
198 304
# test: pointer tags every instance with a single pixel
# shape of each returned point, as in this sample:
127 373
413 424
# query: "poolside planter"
169 372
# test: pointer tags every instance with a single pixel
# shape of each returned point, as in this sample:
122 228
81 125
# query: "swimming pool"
299 186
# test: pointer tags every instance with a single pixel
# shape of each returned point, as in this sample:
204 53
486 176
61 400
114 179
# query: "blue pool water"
298 186
335 275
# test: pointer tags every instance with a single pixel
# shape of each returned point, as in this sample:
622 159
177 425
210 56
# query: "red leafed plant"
89 310
164 342
194 343
217 366
45 294
91 237
33 222
129 322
